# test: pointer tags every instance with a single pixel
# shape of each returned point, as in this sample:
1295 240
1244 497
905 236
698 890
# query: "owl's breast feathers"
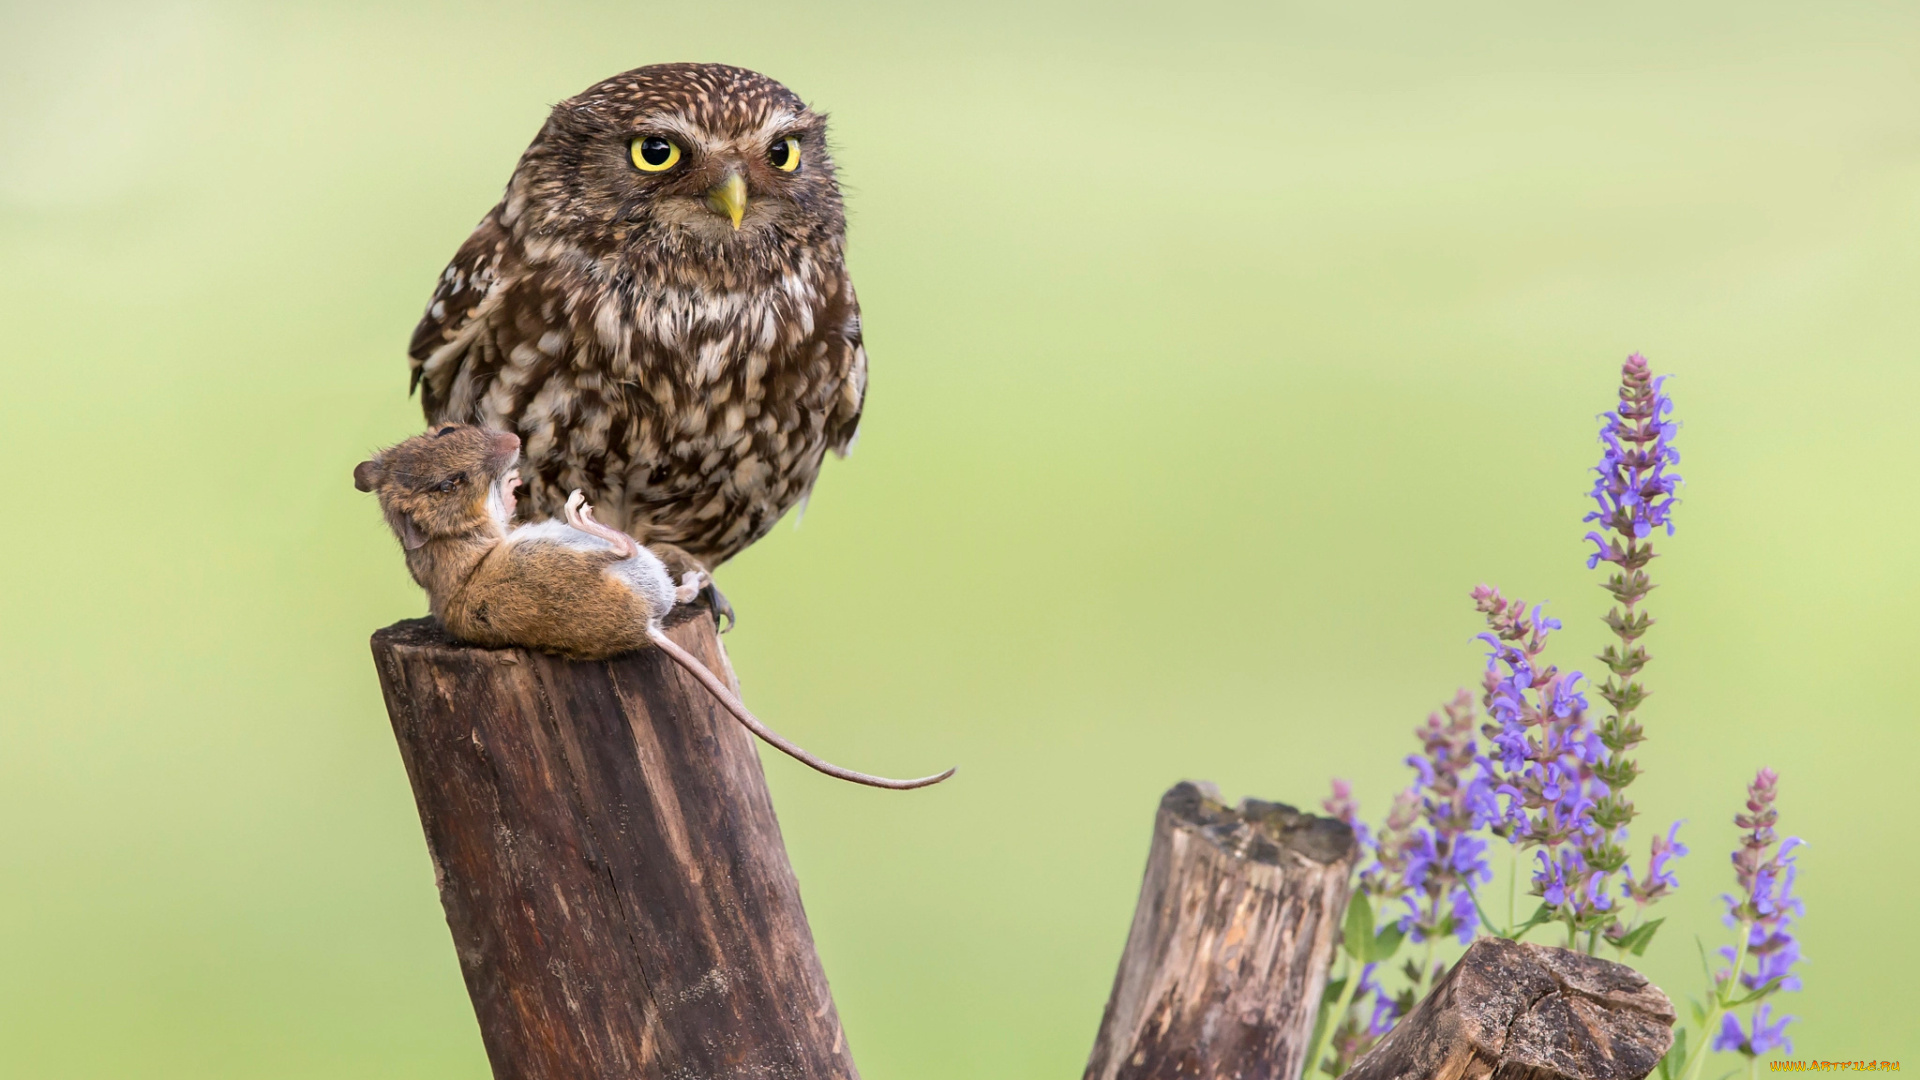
690 412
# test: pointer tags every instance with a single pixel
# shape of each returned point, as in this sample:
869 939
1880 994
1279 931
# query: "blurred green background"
1218 350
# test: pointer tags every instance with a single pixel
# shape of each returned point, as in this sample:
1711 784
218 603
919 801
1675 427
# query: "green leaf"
1699 1011
1674 1063
1385 944
1650 929
1637 939
1359 927
1544 913
1759 992
1332 993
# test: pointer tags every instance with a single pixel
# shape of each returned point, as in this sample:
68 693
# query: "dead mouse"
573 587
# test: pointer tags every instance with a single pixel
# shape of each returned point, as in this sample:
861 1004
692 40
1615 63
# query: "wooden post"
1230 945
1527 1012
610 864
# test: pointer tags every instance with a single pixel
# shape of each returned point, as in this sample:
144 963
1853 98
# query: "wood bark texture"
1230 945
1527 1012
611 868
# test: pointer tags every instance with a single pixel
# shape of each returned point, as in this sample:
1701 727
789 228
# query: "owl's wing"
478 271
848 353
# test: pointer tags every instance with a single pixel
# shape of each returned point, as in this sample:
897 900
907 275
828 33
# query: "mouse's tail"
725 696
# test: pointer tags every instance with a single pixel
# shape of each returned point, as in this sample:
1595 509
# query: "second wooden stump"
1231 940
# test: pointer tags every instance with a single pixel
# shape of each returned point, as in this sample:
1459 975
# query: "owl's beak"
729 197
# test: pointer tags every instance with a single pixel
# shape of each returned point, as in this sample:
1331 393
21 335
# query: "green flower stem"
1334 1019
1513 887
1722 994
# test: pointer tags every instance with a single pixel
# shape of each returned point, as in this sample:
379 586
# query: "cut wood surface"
1230 945
1527 1012
612 872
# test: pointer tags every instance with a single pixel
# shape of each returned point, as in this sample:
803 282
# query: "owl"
659 307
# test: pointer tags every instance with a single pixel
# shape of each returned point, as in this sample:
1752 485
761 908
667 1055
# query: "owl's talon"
717 600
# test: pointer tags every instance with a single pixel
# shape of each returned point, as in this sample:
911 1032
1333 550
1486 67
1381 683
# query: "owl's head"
699 160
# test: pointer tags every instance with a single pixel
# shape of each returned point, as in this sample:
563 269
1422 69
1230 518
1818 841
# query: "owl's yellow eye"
651 153
785 155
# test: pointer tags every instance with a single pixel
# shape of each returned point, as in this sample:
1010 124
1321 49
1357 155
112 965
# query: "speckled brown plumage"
687 374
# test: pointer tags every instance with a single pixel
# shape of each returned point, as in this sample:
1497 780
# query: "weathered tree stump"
1527 1012
1230 944
610 864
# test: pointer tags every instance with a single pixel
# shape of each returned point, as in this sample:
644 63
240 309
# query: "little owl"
659 307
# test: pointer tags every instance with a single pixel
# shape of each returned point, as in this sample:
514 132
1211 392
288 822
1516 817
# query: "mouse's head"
455 480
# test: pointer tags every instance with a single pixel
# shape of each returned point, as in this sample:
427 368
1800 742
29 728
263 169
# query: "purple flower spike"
1766 908
1438 862
1633 494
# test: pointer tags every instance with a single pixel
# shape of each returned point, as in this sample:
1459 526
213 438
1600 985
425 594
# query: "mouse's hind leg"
692 584
580 516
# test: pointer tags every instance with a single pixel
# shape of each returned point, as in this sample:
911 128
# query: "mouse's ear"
366 474
411 537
